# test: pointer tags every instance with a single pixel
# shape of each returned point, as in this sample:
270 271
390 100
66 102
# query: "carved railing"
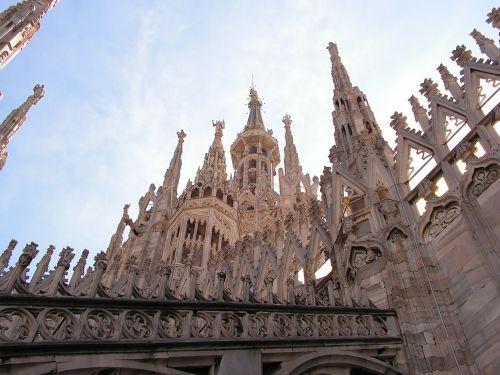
25 319
49 309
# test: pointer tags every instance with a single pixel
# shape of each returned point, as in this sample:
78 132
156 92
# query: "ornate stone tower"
205 220
18 25
15 120
255 156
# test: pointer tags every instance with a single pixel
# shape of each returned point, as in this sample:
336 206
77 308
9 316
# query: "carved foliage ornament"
58 324
17 324
361 256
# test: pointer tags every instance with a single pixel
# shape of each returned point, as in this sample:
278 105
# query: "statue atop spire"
218 125
15 120
255 116
18 25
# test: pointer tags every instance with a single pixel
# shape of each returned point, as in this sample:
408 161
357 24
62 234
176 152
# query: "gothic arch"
480 177
335 359
438 215
388 232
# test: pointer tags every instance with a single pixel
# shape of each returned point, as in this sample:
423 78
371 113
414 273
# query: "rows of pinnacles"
411 236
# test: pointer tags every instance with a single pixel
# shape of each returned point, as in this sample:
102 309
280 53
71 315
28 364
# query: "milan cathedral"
221 277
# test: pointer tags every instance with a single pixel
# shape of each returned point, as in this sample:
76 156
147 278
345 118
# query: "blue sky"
122 77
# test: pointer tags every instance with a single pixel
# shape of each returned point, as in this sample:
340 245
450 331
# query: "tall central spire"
255 116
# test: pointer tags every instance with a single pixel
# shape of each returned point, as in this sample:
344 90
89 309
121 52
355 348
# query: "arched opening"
207 192
195 193
229 200
219 194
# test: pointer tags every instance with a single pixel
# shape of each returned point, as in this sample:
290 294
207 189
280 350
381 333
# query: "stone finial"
38 93
79 269
65 257
445 74
419 112
450 82
461 55
29 252
429 88
81 262
42 267
5 257
287 120
181 135
486 45
100 261
125 210
334 155
398 121
494 18
332 48
164 269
